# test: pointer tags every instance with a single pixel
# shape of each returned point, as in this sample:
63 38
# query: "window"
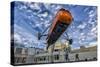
56 57
44 58
23 59
18 50
26 51
56 50
17 59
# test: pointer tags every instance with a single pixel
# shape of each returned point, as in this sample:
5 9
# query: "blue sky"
31 18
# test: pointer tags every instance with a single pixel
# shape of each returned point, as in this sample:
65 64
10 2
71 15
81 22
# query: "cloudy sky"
31 18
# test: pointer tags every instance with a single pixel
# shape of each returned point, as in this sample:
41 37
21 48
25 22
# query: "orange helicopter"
60 23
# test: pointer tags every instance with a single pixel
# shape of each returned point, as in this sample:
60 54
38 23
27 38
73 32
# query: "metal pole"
52 49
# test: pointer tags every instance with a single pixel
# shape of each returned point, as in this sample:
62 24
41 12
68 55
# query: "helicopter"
60 23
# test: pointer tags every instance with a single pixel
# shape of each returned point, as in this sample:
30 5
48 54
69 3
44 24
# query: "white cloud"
17 38
45 14
23 36
94 29
82 26
92 44
34 6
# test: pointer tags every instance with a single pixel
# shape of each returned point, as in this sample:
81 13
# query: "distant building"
85 49
60 46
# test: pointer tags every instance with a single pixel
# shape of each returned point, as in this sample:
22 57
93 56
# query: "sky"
31 18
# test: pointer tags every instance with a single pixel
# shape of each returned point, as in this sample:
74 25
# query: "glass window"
18 50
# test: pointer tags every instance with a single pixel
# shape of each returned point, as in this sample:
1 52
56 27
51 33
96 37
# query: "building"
23 54
60 46
37 55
